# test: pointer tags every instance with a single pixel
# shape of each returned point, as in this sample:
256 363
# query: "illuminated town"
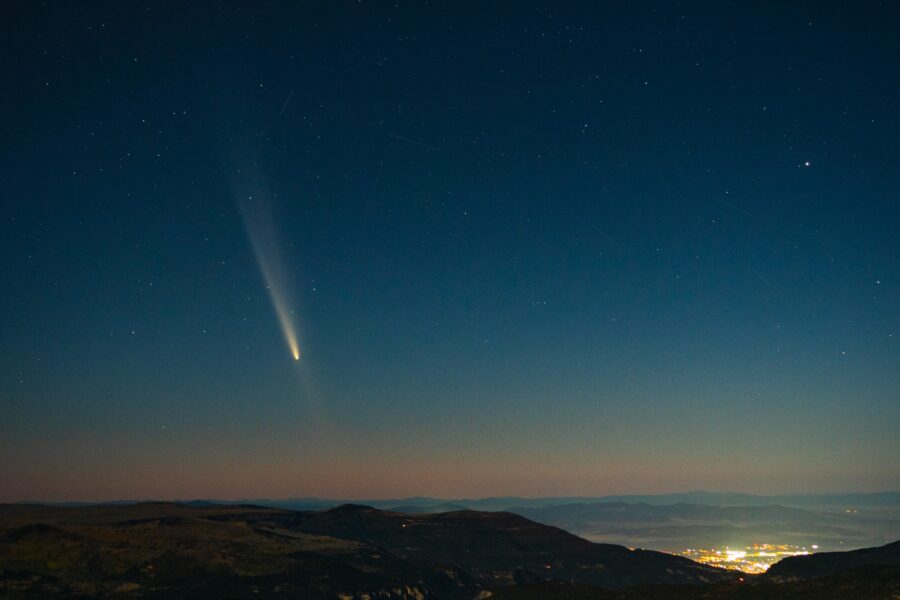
756 558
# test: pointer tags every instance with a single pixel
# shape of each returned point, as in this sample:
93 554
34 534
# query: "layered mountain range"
164 550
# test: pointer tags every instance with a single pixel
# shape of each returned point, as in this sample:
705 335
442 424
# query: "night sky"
524 249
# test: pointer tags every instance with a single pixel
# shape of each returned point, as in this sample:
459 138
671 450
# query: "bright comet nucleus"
265 242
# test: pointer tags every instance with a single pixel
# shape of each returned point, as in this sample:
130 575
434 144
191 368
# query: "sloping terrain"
502 548
870 583
204 551
158 550
870 574
828 563
163 550
675 522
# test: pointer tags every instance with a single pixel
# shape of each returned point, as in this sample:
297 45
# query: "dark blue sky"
529 249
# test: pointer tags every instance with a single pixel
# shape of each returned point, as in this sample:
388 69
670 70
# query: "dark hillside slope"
870 583
498 548
829 563
159 550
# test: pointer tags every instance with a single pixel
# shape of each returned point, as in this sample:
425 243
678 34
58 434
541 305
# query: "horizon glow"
593 260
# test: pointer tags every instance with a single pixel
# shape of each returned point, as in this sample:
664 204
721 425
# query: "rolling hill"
204 550
158 550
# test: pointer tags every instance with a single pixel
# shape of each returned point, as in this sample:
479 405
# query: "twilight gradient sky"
526 249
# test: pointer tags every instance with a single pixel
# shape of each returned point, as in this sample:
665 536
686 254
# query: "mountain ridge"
166 549
837 499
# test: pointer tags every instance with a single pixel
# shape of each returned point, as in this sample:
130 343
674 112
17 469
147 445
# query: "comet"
265 241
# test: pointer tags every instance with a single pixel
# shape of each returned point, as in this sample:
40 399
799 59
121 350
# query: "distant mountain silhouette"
810 501
837 502
433 508
674 527
669 522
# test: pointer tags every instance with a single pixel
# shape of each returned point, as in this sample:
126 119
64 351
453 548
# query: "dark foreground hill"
163 550
827 563
870 574
867 583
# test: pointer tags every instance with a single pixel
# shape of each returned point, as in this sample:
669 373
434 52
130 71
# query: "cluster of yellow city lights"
756 558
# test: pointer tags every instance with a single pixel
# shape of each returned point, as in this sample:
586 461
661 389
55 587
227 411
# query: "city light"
756 558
